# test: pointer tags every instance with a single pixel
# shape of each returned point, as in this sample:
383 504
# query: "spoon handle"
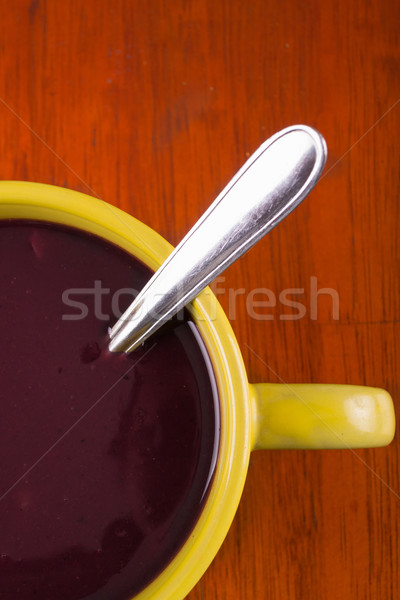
272 182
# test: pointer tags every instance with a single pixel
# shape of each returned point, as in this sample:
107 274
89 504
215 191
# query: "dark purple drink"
105 459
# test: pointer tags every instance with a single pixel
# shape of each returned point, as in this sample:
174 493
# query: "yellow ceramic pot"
253 416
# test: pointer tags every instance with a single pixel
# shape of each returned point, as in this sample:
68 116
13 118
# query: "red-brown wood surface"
153 105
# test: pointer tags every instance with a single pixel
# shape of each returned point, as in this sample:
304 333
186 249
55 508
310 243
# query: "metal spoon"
275 179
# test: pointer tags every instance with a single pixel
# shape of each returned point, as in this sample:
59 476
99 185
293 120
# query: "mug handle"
320 416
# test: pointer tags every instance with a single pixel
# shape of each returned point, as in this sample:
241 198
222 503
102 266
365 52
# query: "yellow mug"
253 416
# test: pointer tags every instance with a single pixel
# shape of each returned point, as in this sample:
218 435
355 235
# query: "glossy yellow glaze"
321 416
259 416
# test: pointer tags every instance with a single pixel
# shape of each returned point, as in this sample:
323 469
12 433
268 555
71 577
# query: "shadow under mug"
253 416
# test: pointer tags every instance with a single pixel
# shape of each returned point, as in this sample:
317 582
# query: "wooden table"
153 105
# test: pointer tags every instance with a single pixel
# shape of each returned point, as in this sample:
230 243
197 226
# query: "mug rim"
28 200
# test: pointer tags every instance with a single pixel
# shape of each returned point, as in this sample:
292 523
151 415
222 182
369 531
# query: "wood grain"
153 105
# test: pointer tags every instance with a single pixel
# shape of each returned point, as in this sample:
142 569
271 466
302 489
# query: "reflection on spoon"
275 179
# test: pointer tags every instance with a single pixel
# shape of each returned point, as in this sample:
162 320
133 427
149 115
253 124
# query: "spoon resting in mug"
271 183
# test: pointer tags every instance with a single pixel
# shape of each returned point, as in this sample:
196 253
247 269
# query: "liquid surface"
105 459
